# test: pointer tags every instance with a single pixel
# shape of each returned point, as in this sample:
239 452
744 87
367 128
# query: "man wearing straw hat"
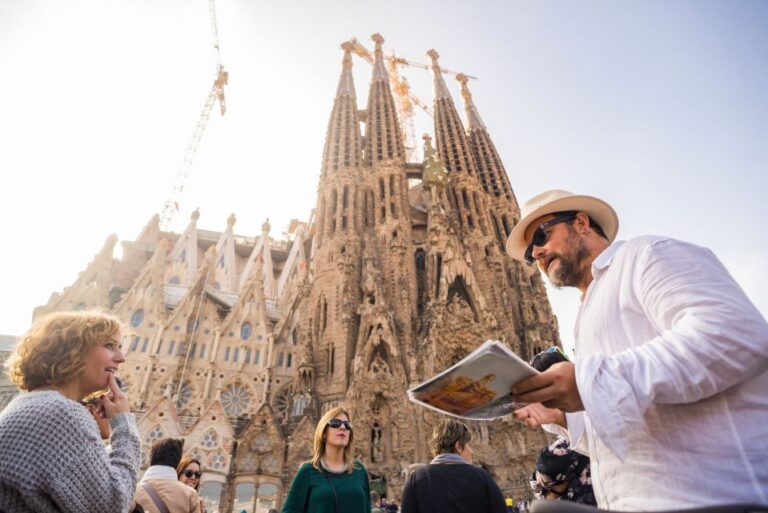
669 392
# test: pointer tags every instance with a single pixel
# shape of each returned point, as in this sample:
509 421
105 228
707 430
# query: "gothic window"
235 399
247 355
81 306
421 276
183 256
377 444
145 345
289 361
226 354
184 395
218 461
256 355
135 343
175 280
137 318
202 351
294 337
171 346
245 496
159 347
280 357
192 325
438 274
210 493
155 434
505 221
236 354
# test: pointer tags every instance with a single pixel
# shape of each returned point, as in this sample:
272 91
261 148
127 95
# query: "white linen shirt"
672 368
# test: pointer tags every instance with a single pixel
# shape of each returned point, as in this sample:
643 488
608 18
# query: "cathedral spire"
473 117
342 141
493 176
452 144
383 140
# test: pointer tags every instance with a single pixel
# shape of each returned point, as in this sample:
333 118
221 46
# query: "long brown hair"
184 463
318 449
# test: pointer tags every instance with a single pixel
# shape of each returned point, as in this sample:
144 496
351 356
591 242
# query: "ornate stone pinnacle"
231 220
196 214
378 39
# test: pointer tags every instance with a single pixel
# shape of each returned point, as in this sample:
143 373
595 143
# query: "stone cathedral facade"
239 343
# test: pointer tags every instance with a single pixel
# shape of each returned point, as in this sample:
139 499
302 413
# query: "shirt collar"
160 472
604 259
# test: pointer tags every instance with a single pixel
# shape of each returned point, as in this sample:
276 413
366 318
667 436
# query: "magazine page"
478 386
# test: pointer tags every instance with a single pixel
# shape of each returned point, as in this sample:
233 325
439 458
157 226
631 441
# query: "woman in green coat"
332 481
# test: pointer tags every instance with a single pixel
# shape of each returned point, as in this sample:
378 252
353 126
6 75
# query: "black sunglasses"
337 423
190 473
540 236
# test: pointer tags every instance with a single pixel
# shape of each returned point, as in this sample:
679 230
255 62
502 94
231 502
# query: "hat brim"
598 210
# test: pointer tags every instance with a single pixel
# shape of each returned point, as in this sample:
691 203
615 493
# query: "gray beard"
570 272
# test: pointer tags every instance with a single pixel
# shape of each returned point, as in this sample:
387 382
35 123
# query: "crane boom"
216 93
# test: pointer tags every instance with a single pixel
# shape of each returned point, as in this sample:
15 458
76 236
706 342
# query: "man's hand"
535 415
554 388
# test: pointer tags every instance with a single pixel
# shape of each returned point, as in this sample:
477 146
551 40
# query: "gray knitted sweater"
52 458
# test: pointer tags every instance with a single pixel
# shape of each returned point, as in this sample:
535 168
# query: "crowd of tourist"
664 409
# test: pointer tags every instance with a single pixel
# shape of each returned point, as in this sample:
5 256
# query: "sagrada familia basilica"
239 343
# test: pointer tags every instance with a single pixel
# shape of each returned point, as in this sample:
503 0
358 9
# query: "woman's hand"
114 402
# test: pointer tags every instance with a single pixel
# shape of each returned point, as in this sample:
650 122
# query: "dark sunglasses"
337 423
189 474
540 236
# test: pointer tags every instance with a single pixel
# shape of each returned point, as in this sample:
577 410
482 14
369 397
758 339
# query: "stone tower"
239 343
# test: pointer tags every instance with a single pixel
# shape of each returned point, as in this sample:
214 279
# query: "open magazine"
478 387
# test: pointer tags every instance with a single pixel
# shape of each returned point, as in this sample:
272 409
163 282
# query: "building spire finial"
441 90
379 71
346 83
473 117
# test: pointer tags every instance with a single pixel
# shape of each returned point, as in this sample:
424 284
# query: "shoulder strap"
335 495
155 497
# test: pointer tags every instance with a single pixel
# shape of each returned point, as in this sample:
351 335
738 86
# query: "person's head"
167 451
546 359
556 466
189 471
563 233
375 498
77 349
451 436
334 430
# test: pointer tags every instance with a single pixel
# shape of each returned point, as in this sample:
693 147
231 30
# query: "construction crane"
215 94
402 89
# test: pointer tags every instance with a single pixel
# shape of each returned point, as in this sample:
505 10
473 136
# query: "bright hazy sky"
658 107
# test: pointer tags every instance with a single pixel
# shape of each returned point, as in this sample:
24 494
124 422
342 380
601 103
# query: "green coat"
311 492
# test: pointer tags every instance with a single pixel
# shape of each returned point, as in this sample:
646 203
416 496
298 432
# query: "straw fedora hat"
549 202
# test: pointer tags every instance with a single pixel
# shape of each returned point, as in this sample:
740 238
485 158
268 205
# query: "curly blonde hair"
53 351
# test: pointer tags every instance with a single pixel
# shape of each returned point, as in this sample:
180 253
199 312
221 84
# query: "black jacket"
452 488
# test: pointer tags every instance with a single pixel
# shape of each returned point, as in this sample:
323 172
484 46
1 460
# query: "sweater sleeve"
296 501
81 476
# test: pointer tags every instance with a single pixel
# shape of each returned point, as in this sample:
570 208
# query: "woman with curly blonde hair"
51 455
332 481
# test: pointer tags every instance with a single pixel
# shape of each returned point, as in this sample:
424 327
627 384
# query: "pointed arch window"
137 318
245 330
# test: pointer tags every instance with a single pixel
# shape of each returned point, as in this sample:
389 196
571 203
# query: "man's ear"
581 222
457 447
